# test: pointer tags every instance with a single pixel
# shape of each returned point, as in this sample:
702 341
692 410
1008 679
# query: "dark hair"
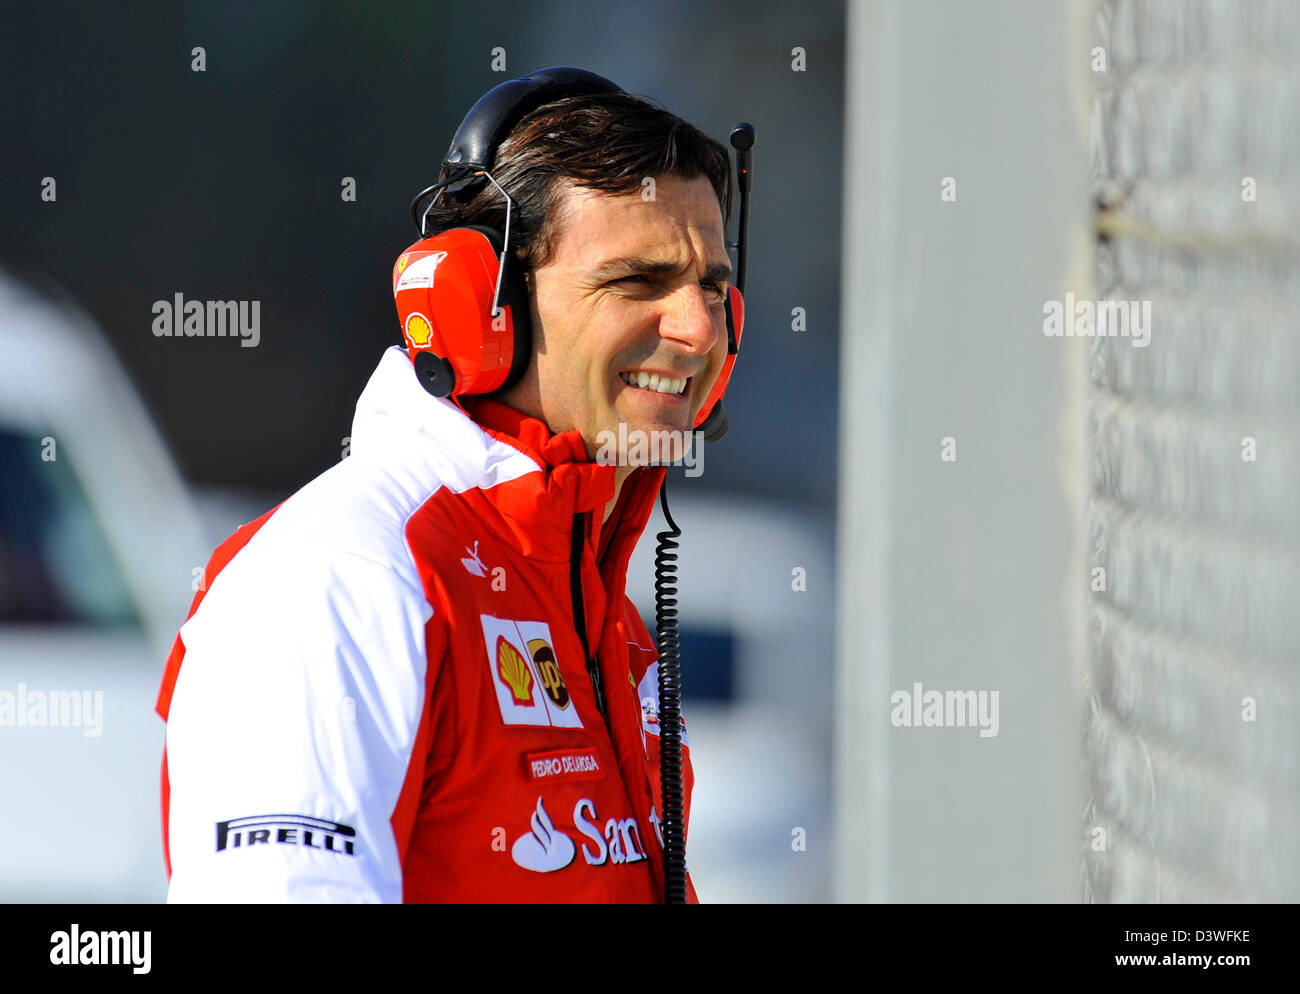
608 142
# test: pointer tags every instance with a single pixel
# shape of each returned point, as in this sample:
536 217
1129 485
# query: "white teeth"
655 382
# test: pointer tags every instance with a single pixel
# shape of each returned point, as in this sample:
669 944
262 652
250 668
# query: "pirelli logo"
290 830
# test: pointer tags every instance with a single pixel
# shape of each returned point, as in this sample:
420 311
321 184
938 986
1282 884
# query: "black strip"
1042 936
579 610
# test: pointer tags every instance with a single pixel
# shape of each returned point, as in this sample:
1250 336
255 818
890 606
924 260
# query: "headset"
464 310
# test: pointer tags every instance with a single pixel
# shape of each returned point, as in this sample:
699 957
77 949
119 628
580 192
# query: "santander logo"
545 849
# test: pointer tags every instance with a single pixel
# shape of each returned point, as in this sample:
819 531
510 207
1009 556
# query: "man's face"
634 286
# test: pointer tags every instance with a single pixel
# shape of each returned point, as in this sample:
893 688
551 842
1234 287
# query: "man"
419 678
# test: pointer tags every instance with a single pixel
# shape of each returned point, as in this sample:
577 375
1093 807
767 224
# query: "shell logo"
418 332
514 671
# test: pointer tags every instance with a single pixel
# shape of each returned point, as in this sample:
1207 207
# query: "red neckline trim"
525 432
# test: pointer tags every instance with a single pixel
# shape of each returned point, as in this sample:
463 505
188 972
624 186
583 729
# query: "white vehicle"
99 538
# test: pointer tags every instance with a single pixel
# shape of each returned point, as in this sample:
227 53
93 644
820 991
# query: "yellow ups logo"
549 671
514 671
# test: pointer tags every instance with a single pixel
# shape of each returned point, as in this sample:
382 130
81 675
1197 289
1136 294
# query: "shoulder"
333 554
322 603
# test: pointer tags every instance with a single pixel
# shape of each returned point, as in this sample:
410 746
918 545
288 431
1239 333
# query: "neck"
526 403
621 473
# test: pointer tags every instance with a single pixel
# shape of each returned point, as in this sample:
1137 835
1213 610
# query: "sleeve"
298 730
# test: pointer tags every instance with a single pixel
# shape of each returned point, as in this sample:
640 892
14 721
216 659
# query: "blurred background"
949 479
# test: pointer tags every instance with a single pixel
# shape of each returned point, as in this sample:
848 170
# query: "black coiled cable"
670 708
670 671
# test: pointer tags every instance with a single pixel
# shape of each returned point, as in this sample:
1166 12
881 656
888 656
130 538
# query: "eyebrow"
643 266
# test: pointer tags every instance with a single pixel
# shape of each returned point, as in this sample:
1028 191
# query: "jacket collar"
566 467
480 444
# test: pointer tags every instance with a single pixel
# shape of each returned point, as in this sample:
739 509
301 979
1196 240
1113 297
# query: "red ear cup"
444 287
736 320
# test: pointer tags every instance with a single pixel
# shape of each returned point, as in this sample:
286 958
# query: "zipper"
580 612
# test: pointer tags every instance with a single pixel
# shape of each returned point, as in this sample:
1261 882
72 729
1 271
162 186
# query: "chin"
653 444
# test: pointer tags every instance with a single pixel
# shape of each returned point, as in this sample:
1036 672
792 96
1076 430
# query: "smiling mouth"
656 383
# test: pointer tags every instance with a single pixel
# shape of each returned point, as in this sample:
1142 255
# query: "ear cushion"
514 294
735 329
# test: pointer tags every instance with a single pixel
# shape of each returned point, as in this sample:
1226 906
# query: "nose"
688 320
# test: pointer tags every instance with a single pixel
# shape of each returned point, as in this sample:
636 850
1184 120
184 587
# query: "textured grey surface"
1198 544
953 573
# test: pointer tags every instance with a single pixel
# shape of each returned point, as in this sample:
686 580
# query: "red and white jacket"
382 693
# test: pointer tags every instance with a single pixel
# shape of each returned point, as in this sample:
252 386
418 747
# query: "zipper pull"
580 615
593 669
